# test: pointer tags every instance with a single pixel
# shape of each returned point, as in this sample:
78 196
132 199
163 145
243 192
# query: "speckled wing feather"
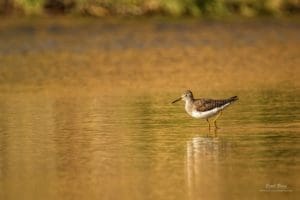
203 105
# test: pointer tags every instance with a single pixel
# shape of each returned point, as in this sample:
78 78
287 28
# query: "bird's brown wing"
203 105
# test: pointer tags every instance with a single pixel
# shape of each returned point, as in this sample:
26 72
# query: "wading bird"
205 108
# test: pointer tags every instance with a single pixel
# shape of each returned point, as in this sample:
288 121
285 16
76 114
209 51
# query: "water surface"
92 119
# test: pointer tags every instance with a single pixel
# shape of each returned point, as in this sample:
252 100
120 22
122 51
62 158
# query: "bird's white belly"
207 114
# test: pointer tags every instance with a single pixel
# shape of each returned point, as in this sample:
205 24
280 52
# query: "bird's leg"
215 120
208 123
216 132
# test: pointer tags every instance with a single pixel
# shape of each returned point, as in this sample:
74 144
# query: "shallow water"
103 127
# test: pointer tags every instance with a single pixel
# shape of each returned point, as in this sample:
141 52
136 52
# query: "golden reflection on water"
93 120
91 145
214 170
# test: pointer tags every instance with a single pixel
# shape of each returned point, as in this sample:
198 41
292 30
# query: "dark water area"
133 35
86 113
137 54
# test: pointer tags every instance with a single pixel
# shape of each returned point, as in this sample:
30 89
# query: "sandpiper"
205 108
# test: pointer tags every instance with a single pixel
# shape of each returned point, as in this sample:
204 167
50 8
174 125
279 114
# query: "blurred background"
86 88
100 8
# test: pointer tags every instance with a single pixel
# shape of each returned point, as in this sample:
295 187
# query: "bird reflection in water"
204 156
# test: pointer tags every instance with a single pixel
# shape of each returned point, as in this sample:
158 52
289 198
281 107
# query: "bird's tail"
234 98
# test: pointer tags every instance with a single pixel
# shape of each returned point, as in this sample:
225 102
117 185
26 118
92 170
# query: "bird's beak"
177 100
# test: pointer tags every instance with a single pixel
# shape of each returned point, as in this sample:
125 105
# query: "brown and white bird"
205 108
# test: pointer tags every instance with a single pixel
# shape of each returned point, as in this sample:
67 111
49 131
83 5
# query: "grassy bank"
102 8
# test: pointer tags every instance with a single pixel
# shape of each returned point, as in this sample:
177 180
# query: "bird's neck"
189 104
189 101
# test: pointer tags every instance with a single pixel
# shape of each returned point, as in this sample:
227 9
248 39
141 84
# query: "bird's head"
187 95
